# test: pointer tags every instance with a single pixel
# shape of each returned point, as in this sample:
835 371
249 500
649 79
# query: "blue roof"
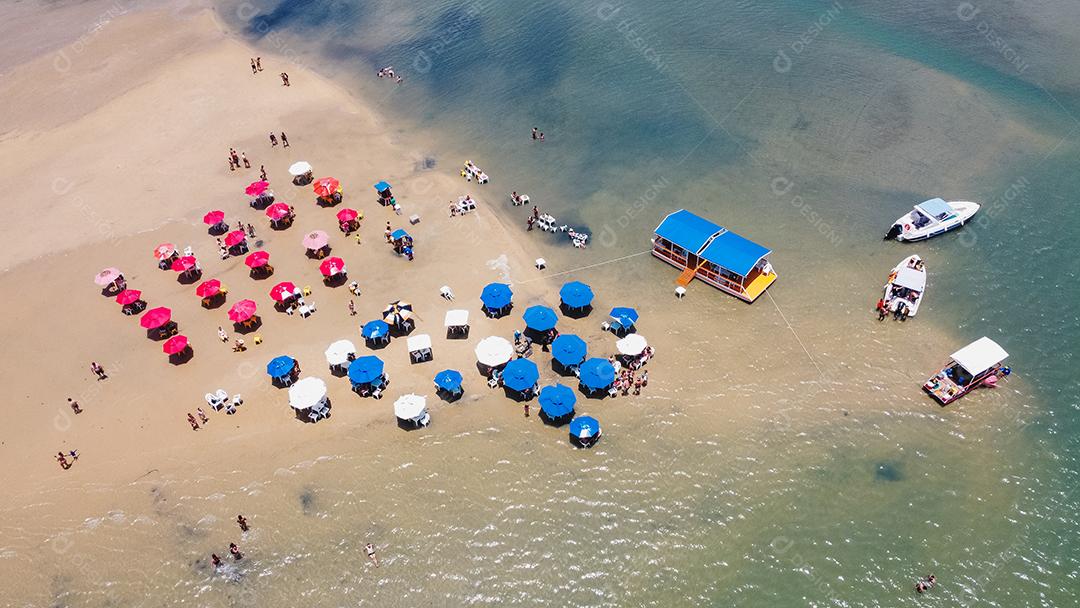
597 374
735 253
496 295
382 186
520 374
935 207
374 329
540 318
687 230
365 370
624 316
557 401
448 379
280 366
568 349
576 294
584 425
399 234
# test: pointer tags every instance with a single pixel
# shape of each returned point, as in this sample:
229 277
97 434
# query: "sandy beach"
115 140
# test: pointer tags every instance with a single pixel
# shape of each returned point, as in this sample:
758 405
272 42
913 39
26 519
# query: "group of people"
195 423
274 142
628 379
926 583
537 134
388 72
403 246
62 458
236 159
233 549
256 65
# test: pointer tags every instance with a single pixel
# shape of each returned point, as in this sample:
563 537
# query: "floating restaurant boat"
713 254
977 364
905 288
931 218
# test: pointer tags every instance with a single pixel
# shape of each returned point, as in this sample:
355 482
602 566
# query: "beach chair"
230 409
221 395
188 251
314 416
237 400
446 293
376 393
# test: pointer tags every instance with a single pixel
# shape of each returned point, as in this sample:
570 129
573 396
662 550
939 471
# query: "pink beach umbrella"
106 277
184 264
256 188
242 311
129 296
278 211
257 259
155 317
214 218
316 240
326 186
282 291
332 266
235 238
175 345
164 251
347 215
208 289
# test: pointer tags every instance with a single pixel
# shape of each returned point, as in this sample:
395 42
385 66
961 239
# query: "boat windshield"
959 375
919 219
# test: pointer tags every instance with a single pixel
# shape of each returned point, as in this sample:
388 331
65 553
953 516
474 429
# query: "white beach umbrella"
494 350
418 342
410 407
633 345
299 168
338 352
456 318
307 393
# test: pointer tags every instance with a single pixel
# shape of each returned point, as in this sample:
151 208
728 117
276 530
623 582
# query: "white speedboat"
931 218
905 288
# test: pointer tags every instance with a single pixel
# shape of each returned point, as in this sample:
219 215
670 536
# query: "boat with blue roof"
713 254
931 218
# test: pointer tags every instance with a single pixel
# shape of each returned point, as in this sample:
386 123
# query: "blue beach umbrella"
576 294
568 349
584 428
373 330
449 380
520 375
496 295
280 366
557 401
624 316
540 318
597 374
365 370
398 234
382 187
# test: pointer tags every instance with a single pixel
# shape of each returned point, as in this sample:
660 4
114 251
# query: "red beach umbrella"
347 215
332 266
155 317
128 296
208 289
184 264
242 311
175 345
235 238
282 290
257 259
326 186
256 188
214 218
164 251
277 211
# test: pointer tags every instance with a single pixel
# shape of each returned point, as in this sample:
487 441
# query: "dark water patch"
301 16
307 501
888 471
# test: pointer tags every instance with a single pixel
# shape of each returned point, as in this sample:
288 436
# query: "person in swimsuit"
370 550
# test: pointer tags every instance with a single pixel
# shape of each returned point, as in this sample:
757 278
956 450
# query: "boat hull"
912 305
907 233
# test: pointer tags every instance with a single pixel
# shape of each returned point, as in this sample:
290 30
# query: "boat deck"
944 389
758 284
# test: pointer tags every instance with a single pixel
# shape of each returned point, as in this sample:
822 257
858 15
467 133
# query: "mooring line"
797 338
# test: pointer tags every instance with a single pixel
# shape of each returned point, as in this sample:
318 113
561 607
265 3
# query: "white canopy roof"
632 344
457 318
980 355
418 342
911 278
307 393
410 407
494 350
299 168
338 352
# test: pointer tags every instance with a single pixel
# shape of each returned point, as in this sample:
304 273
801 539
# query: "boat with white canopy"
905 288
977 364
931 218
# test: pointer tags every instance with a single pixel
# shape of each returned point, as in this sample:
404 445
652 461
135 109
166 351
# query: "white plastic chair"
446 293
237 400
221 394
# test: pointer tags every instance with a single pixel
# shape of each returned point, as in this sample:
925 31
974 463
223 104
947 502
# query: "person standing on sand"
202 415
242 522
284 140
251 231
258 63
232 167
262 172
247 163
284 79
273 140
234 156
370 550
194 423
224 337
64 464
352 308
526 404
253 68
74 406
98 370
239 347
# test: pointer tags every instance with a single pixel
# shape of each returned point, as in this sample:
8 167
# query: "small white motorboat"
904 290
931 218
